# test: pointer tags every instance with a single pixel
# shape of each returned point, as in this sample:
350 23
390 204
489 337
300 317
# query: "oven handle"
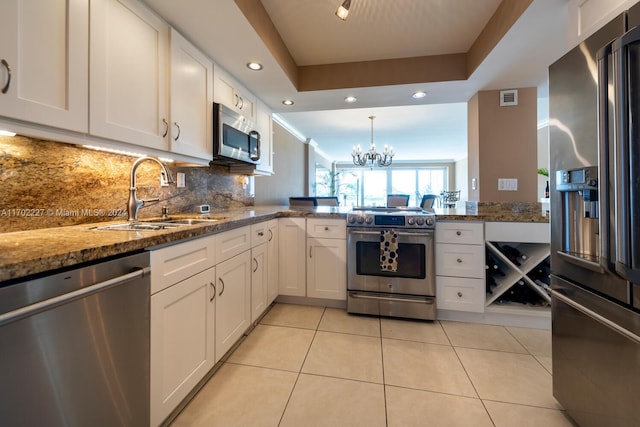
379 298
400 233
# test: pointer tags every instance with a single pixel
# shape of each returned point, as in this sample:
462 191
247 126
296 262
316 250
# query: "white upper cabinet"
191 100
128 74
43 62
229 92
265 128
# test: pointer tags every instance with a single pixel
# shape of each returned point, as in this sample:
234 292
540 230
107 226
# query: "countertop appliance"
74 346
595 228
390 262
235 138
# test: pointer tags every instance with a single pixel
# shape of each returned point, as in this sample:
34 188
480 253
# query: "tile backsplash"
50 184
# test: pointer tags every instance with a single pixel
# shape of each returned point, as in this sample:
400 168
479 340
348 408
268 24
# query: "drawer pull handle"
178 127
166 128
459 294
5 64
458 233
260 233
214 292
326 229
459 261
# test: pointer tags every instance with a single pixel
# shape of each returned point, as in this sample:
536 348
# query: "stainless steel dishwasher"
74 347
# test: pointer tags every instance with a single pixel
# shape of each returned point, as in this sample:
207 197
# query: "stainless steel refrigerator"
594 139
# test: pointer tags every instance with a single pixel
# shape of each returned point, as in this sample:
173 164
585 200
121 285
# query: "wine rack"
534 254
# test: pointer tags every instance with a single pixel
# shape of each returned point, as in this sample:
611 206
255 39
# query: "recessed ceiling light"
255 66
350 99
6 133
288 102
419 94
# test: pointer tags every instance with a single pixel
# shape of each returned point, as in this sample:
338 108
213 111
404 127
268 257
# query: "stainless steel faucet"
134 204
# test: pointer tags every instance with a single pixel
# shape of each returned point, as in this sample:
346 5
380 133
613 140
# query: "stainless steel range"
390 262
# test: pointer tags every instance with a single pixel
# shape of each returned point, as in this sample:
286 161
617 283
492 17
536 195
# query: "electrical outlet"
507 184
180 180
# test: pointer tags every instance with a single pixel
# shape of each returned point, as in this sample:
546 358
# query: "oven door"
415 274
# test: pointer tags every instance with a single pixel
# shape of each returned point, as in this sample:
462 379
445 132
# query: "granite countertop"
26 253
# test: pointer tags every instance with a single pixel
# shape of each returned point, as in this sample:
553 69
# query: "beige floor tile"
411 330
240 396
546 362
338 320
274 347
509 415
475 335
508 377
323 402
297 316
425 366
406 407
536 341
352 357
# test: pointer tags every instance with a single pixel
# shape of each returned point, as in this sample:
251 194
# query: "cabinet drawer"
327 228
460 260
232 242
259 233
467 233
453 293
175 263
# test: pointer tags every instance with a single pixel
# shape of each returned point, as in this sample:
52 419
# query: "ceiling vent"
508 98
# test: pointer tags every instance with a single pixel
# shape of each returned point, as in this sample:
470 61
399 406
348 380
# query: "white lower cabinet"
327 268
182 341
327 258
272 261
233 301
313 258
292 259
460 266
259 280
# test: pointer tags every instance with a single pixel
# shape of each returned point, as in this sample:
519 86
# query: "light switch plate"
180 180
507 184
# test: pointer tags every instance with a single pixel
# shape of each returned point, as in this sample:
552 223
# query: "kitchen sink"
192 221
139 226
155 225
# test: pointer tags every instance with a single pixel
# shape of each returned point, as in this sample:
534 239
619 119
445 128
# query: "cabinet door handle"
256 263
459 294
270 234
5 89
241 103
459 261
213 285
458 233
166 128
310 249
178 135
237 99
221 290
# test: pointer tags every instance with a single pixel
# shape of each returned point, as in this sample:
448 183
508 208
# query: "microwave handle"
255 133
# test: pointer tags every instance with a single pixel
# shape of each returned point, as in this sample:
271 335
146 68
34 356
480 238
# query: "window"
369 187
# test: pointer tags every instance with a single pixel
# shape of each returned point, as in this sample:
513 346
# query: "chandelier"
381 159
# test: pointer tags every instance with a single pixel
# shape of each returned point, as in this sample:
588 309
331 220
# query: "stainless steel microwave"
234 137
